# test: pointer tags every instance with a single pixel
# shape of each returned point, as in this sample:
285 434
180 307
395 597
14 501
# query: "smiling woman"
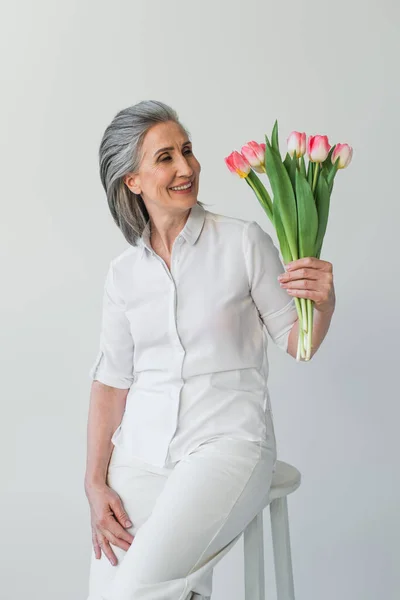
146 151
180 379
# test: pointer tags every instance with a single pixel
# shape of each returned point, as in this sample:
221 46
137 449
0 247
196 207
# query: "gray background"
229 69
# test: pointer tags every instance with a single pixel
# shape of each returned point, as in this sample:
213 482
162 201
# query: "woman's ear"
131 181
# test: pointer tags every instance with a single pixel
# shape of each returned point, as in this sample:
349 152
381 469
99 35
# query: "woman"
181 445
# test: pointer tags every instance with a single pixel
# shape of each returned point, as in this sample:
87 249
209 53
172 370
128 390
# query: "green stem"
304 311
310 308
316 170
261 193
301 349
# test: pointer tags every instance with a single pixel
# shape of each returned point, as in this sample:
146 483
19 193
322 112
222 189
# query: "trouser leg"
138 485
205 503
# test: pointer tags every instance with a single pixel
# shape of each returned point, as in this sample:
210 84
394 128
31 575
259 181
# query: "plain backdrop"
229 69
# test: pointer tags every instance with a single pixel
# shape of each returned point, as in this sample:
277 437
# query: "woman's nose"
184 167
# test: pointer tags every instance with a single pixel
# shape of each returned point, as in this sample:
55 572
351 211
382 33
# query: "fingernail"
128 524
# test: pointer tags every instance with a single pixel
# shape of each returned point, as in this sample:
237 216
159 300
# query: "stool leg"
253 539
281 548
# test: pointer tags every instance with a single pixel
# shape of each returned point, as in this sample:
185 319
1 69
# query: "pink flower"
296 143
254 153
345 153
236 163
318 148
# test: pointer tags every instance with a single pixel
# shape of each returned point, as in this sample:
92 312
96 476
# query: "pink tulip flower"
318 148
296 143
236 163
345 153
254 153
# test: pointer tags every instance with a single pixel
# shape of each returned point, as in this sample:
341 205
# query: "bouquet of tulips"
301 197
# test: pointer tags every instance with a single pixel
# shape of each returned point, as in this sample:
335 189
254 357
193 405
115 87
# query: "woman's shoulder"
249 231
226 221
123 262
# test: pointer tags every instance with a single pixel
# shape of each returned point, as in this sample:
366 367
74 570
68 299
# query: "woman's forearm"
107 405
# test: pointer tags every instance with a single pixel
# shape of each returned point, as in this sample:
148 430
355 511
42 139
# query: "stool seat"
285 480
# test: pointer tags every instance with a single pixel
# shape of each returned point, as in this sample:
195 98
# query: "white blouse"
190 343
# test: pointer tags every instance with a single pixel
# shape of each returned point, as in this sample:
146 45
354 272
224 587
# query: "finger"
106 548
120 513
311 294
310 262
303 273
303 284
96 545
111 525
116 541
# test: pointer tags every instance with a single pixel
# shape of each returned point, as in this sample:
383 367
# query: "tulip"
345 153
254 153
237 164
301 200
296 143
318 148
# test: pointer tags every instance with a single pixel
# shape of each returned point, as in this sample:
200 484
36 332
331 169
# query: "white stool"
285 480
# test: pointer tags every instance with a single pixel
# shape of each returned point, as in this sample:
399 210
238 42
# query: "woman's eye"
168 157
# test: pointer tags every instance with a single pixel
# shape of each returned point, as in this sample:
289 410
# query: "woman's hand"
108 520
311 278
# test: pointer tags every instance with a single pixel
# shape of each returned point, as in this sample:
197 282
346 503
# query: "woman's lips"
183 191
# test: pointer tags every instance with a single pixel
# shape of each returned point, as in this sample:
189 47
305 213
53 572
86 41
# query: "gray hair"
120 153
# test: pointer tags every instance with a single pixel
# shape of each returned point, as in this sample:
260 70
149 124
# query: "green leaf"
303 166
261 193
274 137
330 169
283 243
307 216
290 166
287 162
322 201
284 197
265 155
310 172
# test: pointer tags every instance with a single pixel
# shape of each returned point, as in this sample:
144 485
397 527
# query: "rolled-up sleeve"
114 362
276 308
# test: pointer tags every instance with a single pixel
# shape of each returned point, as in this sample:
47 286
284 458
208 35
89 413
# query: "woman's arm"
112 376
107 405
109 519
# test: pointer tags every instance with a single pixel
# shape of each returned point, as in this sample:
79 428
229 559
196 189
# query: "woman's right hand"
108 520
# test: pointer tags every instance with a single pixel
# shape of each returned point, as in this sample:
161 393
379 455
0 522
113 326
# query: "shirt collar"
190 231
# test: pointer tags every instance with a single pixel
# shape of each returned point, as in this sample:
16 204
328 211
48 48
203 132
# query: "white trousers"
185 518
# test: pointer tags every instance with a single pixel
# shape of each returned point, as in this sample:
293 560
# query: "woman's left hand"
311 278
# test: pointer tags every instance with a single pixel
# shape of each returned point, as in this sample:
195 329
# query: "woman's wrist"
94 481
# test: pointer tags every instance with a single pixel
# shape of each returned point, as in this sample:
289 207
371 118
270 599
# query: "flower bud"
254 153
296 143
318 148
345 153
236 163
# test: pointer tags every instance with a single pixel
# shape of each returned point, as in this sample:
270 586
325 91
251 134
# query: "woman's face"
161 169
